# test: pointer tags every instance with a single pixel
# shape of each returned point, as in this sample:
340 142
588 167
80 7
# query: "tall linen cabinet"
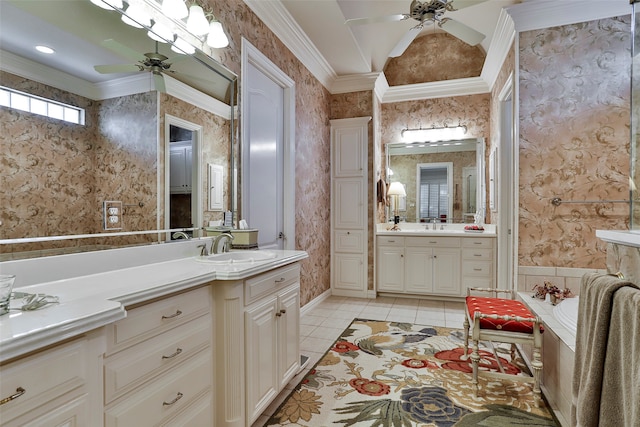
349 215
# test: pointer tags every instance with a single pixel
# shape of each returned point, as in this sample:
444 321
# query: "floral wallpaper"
423 61
574 140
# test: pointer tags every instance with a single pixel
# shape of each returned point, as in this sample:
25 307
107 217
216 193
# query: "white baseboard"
314 302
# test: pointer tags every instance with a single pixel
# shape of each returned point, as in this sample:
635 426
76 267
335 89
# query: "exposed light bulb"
175 9
197 23
183 47
161 33
136 16
217 38
108 4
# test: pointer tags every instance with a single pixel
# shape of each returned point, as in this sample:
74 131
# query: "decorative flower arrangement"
555 294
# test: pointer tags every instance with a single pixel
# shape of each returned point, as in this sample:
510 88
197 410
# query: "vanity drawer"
477 242
39 379
165 397
131 367
477 254
390 241
267 283
477 268
152 319
348 241
435 241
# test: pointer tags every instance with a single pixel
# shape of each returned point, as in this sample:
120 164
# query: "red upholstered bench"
502 320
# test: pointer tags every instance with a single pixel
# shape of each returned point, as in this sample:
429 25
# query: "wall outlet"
112 215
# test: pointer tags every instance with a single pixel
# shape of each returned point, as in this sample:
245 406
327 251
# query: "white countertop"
424 229
91 301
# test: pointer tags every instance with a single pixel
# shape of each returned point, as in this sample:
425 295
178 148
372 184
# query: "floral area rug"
387 374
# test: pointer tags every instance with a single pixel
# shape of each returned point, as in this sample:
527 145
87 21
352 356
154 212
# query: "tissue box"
242 239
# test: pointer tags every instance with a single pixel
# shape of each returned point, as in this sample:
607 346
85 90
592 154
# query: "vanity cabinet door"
446 271
272 340
418 270
391 264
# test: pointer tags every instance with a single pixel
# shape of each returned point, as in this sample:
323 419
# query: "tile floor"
323 324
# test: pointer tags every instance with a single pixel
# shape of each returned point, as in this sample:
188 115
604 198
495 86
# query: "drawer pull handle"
477 243
391 241
178 397
477 269
171 356
171 316
19 392
433 241
280 280
283 311
477 254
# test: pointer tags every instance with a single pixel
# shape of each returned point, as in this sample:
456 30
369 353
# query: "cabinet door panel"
348 147
261 355
446 271
348 271
349 212
288 334
390 269
418 270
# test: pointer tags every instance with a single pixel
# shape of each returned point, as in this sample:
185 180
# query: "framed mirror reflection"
444 181
56 173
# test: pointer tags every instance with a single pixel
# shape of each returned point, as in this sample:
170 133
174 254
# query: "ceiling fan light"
108 4
175 9
183 47
161 33
136 16
197 23
217 38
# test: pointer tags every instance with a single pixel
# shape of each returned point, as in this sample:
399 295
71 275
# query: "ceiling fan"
428 11
153 62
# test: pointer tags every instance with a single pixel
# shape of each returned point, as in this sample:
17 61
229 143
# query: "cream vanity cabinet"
478 262
272 335
349 201
158 366
59 386
419 265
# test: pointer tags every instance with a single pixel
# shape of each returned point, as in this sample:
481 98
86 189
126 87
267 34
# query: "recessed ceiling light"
44 49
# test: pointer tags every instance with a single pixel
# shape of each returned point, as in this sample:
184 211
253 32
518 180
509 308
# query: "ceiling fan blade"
388 18
461 31
122 50
117 68
461 4
158 80
405 41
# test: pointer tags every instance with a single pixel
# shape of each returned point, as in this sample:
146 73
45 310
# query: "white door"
268 159
262 169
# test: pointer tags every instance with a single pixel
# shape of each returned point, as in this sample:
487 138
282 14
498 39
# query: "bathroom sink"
238 257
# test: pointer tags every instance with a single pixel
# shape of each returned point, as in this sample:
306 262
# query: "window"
41 106
433 190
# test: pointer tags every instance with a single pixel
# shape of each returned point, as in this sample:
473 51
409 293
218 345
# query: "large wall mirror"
443 180
106 171
635 120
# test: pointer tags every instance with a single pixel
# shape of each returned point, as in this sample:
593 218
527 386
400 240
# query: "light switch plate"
112 215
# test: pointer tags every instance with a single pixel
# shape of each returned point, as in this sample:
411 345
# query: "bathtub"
567 313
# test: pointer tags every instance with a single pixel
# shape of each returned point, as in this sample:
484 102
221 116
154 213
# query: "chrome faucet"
225 245
180 235
433 221
203 250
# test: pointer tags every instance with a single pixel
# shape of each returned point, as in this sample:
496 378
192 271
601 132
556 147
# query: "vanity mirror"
60 178
443 180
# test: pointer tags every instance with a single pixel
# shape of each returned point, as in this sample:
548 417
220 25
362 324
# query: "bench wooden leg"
466 339
475 360
536 365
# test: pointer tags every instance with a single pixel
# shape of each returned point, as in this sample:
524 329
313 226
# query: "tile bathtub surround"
562 277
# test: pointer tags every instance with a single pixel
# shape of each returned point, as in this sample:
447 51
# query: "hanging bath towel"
382 191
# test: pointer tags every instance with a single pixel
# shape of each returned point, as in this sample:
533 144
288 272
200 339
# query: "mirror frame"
219 69
481 185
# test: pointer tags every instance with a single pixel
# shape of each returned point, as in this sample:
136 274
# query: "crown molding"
281 23
447 88
35 71
501 42
535 15
194 97
354 83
